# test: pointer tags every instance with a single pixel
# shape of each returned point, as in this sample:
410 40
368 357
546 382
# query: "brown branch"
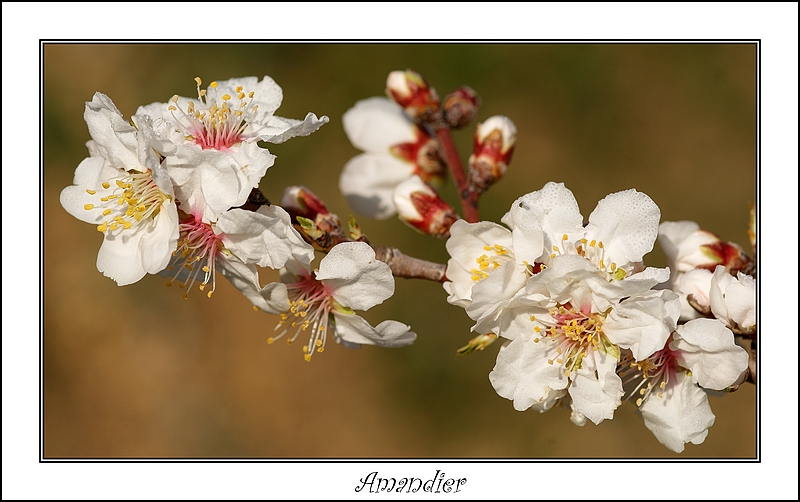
409 267
469 199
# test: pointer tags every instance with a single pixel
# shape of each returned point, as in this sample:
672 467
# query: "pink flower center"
655 372
219 120
310 305
197 250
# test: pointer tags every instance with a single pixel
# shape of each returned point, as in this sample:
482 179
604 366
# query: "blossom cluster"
174 192
584 323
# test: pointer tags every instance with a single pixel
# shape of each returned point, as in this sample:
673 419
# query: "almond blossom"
585 296
236 244
349 278
124 190
218 161
670 393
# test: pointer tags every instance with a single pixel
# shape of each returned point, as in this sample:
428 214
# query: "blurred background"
138 371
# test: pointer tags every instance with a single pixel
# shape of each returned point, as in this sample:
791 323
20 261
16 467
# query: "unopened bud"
419 206
319 227
494 144
460 107
419 101
730 255
300 201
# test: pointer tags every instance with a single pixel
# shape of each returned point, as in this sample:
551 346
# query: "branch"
411 268
469 199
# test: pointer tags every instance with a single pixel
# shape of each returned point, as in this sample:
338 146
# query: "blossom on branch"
670 394
236 243
349 278
584 296
218 161
123 189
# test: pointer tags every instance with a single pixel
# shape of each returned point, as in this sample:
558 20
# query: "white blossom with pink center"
587 296
236 244
701 354
123 189
218 161
349 278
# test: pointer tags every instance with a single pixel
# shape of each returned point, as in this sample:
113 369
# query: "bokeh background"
139 372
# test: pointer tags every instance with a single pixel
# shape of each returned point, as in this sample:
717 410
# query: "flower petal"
209 182
643 323
375 124
523 375
352 329
627 225
540 219
280 129
468 242
596 389
272 299
681 416
707 348
368 182
354 277
264 237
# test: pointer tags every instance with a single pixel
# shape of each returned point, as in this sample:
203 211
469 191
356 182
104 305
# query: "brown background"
139 372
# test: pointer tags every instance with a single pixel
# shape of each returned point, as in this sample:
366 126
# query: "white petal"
353 329
354 277
160 239
272 299
732 299
627 225
682 242
267 94
696 283
279 129
260 237
375 124
681 416
501 285
93 171
368 182
740 298
119 257
209 182
596 389
707 348
75 198
643 323
113 136
540 219
466 244
523 375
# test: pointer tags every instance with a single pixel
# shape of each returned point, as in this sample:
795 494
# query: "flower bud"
419 101
311 218
420 206
300 201
460 107
494 144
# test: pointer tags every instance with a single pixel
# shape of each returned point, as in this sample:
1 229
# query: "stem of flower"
409 267
469 199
